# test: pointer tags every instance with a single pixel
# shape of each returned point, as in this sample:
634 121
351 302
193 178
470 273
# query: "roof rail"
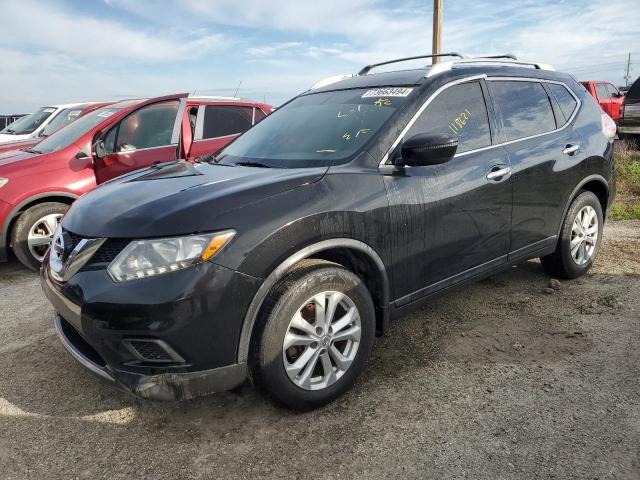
507 60
368 68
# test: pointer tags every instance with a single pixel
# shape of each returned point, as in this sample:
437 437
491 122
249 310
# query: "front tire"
579 240
315 334
33 231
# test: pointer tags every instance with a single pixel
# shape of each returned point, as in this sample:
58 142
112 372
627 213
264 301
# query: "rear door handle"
571 149
498 174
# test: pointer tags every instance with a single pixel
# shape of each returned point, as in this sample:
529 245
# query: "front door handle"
571 149
498 174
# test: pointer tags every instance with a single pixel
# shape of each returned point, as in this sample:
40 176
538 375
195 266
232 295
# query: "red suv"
607 95
64 118
38 184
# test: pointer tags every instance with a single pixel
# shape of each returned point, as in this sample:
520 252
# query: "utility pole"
436 45
627 77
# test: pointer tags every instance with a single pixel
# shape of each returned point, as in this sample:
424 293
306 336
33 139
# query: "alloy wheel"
41 233
322 340
584 235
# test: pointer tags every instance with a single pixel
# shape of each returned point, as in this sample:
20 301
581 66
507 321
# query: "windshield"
30 123
74 131
316 130
65 117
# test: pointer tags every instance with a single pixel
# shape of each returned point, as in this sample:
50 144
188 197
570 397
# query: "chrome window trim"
217 138
177 126
253 117
385 158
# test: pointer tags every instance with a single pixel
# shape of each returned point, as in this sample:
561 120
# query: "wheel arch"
593 183
14 214
353 254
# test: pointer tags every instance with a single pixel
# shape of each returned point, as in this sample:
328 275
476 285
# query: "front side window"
64 137
30 123
224 120
150 126
459 110
603 93
317 129
565 100
613 91
65 117
523 108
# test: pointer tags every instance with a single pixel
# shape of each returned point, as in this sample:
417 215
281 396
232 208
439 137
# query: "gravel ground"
503 379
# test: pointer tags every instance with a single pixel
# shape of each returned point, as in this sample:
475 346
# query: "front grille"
151 350
105 254
109 250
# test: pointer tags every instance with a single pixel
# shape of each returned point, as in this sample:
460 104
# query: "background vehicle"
32 124
352 204
6 120
65 117
607 95
38 184
630 121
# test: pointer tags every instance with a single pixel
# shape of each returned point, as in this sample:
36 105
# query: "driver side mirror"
427 149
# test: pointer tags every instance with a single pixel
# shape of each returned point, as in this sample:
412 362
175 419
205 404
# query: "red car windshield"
72 132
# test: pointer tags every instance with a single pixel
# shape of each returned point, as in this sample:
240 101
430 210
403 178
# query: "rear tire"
32 232
579 240
322 357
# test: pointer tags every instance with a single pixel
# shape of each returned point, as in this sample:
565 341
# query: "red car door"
150 134
218 125
603 97
615 99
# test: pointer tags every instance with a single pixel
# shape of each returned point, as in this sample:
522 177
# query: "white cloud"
43 25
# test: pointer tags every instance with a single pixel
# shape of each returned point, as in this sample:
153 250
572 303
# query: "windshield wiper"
8 130
252 164
32 150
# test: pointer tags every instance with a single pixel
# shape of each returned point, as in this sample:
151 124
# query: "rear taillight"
608 126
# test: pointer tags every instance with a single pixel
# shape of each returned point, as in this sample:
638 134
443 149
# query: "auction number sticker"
388 92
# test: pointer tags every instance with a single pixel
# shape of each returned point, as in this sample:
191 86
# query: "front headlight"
3 181
147 258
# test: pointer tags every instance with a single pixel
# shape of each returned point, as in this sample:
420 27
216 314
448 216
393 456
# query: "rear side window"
221 120
523 108
459 110
603 93
565 100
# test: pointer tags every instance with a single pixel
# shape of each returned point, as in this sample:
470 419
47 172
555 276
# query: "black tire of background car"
20 231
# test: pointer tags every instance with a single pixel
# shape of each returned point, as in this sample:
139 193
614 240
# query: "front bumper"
197 311
629 130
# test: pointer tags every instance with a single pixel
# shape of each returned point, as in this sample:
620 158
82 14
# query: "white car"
31 125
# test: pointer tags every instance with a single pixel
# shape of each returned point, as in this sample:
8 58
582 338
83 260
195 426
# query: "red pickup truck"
37 184
607 95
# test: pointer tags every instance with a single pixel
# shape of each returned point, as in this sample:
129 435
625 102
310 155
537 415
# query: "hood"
177 198
7 158
18 144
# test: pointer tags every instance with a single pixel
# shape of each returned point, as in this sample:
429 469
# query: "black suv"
282 258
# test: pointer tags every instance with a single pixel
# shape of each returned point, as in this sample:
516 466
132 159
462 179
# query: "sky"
59 51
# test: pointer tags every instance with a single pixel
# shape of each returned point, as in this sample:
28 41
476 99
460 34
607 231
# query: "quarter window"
565 100
148 127
221 120
458 110
523 108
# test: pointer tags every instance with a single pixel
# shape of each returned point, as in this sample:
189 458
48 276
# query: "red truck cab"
37 184
607 95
